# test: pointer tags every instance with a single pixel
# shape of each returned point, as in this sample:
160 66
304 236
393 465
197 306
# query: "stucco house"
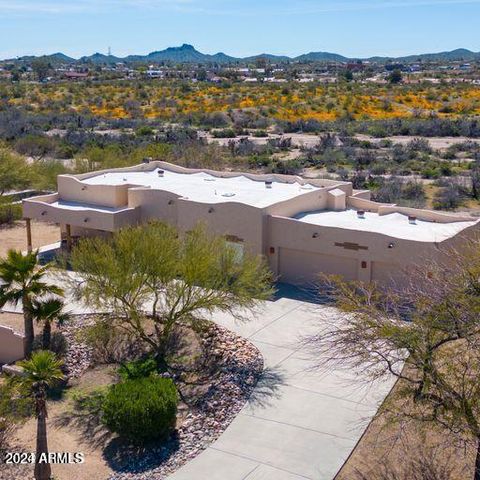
303 227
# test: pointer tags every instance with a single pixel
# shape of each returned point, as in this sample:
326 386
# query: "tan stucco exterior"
297 251
11 344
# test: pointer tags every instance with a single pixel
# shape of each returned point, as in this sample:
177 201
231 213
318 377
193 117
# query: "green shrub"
225 133
141 409
9 213
138 369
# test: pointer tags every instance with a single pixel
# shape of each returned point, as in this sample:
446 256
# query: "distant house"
72 75
154 73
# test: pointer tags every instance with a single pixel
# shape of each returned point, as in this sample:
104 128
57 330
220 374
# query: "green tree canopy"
155 273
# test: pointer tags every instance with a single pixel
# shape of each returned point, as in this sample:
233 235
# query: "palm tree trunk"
42 470
47 334
477 462
28 326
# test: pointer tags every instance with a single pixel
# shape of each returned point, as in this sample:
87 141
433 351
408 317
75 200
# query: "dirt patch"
15 236
395 450
64 437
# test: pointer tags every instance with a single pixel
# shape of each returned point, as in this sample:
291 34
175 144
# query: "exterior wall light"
86 220
84 187
44 213
315 235
170 202
211 210
391 245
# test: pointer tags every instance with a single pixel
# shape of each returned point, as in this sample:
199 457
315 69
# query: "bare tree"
426 334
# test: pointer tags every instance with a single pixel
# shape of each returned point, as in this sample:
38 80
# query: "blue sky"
356 28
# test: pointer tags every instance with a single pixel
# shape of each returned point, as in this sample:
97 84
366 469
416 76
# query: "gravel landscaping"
239 367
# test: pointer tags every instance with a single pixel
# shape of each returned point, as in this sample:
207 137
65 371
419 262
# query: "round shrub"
141 409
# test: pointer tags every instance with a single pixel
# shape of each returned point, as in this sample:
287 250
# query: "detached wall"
11 345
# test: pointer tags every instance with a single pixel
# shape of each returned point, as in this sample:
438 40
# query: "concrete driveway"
299 423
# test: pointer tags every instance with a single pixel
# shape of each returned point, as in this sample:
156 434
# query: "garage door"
298 267
388 274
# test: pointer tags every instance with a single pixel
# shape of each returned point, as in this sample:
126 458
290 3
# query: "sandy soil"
392 450
437 143
298 139
15 236
69 438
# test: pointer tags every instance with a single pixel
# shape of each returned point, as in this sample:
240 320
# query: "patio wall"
11 345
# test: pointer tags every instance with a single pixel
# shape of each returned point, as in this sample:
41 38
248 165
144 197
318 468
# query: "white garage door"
298 267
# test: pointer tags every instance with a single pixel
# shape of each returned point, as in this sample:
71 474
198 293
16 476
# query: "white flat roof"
65 205
206 188
394 225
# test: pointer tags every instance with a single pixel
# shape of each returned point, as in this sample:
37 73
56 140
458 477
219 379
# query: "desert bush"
141 368
225 133
448 197
58 343
141 409
109 344
9 213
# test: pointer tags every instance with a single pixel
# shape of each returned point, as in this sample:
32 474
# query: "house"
72 75
302 227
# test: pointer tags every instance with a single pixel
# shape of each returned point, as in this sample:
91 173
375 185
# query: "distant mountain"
321 57
100 58
267 56
458 55
54 58
188 54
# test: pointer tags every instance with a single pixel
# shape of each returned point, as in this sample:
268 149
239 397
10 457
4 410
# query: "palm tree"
48 311
40 372
22 279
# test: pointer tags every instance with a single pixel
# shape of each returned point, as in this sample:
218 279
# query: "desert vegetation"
171 378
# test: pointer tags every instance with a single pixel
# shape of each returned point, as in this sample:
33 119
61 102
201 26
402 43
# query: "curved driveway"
299 423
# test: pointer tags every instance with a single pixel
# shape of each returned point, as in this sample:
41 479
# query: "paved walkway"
299 423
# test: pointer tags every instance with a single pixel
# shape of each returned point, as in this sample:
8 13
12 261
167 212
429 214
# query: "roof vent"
268 184
361 213
161 173
124 179
412 219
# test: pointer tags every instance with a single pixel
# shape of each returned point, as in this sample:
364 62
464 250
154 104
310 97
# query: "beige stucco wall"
295 249
329 245
74 190
230 218
11 345
89 218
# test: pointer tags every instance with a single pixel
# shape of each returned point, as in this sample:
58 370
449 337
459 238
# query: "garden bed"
210 398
